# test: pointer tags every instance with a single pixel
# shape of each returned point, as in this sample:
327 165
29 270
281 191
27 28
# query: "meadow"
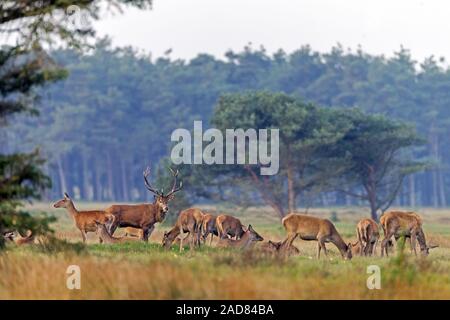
146 271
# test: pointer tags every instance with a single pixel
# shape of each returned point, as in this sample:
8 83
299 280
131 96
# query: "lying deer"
15 237
313 228
368 234
84 220
104 235
228 226
276 247
133 232
400 224
144 216
188 221
244 242
209 227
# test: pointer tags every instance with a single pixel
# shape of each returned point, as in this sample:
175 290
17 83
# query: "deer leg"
210 241
384 244
322 246
83 235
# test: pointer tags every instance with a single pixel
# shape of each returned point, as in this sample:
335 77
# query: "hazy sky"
214 26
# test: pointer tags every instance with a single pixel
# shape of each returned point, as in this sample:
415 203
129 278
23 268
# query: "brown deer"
19 240
229 226
144 216
368 234
209 227
396 236
84 220
316 229
188 221
244 242
276 247
103 234
402 224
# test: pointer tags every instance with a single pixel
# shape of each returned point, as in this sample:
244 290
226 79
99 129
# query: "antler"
174 185
146 173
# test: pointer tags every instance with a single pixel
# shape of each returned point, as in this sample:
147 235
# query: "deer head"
64 202
161 199
254 236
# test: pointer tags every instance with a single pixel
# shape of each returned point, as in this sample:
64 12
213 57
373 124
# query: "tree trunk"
124 181
291 188
109 174
412 191
62 177
98 185
86 186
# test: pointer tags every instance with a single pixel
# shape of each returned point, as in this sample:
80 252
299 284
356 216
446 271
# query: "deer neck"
421 240
244 241
71 209
340 244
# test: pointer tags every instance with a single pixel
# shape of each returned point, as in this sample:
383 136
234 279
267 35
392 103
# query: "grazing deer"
188 221
368 235
84 220
396 236
229 226
313 228
244 242
276 247
209 227
15 237
402 224
103 234
144 216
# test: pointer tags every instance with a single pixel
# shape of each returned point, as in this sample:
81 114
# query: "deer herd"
194 226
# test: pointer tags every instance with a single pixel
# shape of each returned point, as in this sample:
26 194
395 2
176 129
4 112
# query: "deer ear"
66 195
349 245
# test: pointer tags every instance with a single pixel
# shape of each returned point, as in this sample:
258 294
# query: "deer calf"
314 229
245 241
228 226
368 234
84 220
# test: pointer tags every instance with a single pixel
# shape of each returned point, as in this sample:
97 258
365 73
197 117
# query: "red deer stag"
404 224
368 235
84 220
188 221
229 226
317 229
144 216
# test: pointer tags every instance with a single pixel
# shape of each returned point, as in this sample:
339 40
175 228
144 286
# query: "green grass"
147 271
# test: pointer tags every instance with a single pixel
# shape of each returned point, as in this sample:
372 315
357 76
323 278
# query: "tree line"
115 111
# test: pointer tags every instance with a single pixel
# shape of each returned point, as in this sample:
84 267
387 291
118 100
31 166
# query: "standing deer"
84 220
407 237
144 216
188 221
402 224
316 229
209 227
368 234
229 226
244 242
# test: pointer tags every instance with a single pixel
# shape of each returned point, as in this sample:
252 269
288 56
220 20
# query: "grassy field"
146 271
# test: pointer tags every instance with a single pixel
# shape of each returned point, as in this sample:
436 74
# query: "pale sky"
215 26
